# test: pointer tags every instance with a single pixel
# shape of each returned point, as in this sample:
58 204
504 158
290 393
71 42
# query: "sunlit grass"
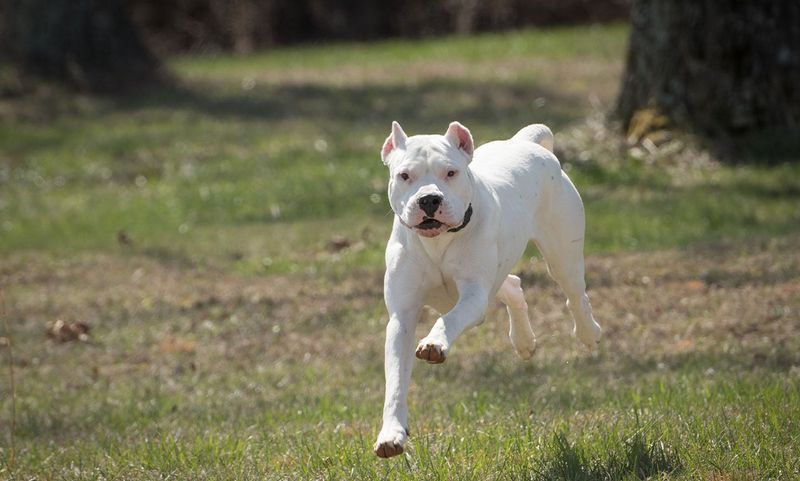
169 168
599 42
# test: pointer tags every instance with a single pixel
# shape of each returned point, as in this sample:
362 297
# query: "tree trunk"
719 66
89 44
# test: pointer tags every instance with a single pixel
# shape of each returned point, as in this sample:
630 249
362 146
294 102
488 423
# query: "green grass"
602 43
168 167
146 432
224 240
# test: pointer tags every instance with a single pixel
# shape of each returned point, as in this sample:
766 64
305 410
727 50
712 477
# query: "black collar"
467 216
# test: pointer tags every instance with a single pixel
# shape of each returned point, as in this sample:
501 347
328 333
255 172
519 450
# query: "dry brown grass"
737 300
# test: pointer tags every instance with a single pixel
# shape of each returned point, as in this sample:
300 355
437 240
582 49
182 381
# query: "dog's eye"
404 176
451 173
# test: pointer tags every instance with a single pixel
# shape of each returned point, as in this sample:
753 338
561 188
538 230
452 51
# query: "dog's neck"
467 217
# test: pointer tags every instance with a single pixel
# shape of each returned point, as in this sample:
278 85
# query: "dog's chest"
443 260
437 249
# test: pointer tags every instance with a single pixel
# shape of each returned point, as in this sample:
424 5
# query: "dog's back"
526 157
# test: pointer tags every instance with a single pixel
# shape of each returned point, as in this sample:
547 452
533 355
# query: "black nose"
430 203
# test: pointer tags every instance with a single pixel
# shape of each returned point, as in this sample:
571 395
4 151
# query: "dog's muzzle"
429 223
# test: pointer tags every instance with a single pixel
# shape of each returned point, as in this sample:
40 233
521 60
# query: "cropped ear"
459 136
395 140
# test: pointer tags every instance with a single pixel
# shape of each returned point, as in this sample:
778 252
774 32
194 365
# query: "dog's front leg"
473 298
404 303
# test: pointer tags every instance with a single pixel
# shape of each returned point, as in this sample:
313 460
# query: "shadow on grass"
588 381
636 457
769 147
426 104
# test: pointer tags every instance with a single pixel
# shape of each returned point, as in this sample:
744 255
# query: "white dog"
463 219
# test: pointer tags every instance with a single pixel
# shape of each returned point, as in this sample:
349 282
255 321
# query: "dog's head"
430 183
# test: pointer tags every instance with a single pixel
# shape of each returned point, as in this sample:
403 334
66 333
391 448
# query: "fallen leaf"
696 285
684 345
123 238
173 344
338 243
61 331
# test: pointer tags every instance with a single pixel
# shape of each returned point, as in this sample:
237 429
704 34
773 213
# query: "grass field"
223 239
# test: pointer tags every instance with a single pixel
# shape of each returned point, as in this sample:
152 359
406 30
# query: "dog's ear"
459 136
395 140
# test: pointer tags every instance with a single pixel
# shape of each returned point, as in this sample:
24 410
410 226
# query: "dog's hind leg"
561 243
520 331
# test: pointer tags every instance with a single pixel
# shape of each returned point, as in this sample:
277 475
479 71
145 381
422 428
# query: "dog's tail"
536 133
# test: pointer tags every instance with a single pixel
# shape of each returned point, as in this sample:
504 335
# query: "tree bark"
719 66
89 44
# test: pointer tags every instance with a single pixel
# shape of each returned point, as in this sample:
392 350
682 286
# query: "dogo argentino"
463 218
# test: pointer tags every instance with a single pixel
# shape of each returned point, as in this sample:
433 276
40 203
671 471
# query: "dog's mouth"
429 223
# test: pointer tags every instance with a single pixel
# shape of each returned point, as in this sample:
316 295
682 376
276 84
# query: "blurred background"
193 214
242 26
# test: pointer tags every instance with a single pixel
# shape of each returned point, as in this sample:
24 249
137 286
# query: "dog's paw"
589 335
524 344
433 352
390 441
525 350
